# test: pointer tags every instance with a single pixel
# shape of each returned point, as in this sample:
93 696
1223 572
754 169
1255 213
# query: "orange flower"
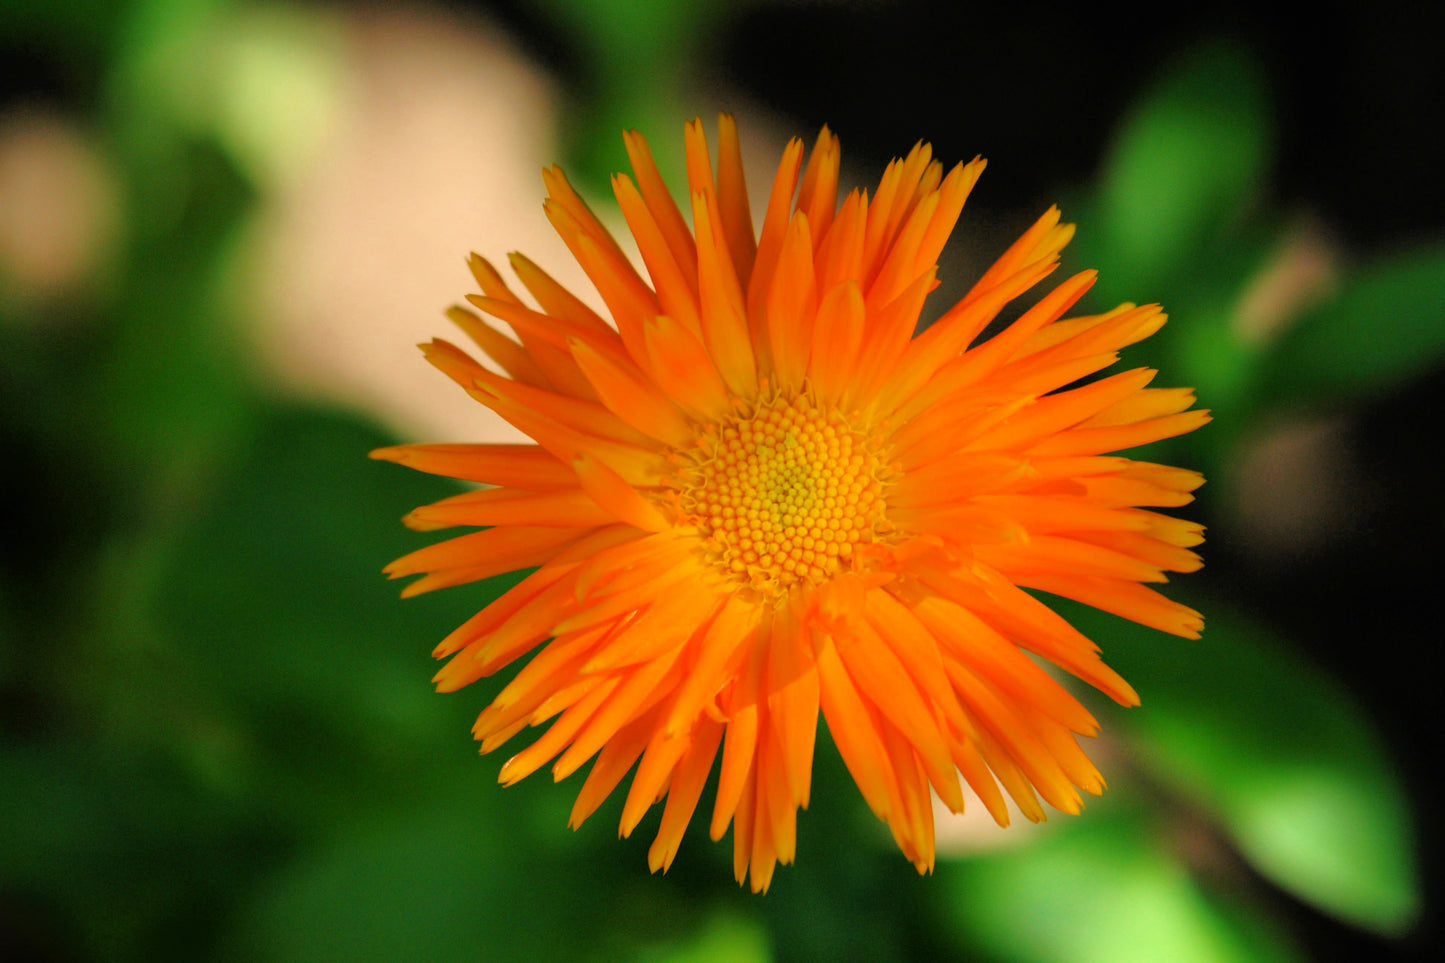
757 494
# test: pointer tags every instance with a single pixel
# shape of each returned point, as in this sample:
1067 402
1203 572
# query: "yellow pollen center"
784 496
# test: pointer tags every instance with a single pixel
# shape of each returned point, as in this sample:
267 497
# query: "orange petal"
639 466
892 279
1092 441
628 299
946 337
527 592
1057 554
840 252
837 338
631 563
953 193
555 331
503 549
529 467
564 198
513 358
776 810
1011 777
625 601
555 299
792 304
770 244
1030 624
1017 738
1153 551
792 687
1132 601
1053 414
1143 405
724 317
731 631
740 746
818 193
882 678
675 294
587 417
633 398
682 796
969 640
889 330
557 736
912 815
682 368
569 508
695 155
607 488
550 671
1041 242
611 766
891 203
980 778
651 781
660 203
640 690
855 730
558 368
669 621
732 199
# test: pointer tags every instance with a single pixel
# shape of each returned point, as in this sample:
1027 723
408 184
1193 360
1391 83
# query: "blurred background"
225 223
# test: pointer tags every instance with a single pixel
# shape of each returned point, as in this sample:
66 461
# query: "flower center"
785 495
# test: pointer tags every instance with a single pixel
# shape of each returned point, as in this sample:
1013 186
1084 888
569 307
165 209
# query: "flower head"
757 495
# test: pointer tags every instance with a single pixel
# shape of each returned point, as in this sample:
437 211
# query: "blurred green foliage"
219 741
1383 327
1277 754
636 58
1116 891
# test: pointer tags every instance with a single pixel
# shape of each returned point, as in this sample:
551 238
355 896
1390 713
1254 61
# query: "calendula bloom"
756 494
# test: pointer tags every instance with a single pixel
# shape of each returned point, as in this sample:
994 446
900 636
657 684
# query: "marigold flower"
757 494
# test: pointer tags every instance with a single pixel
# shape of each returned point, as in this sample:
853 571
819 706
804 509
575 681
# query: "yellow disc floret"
785 495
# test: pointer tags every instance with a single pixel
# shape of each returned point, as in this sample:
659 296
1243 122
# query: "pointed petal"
634 399
732 199
607 488
676 295
529 467
659 201
682 368
837 339
770 244
792 305
724 317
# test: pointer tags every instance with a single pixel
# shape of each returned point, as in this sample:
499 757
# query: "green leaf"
1280 753
260 81
1100 889
274 600
1182 170
126 854
638 57
1385 325
724 936
79 32
169 389
433 884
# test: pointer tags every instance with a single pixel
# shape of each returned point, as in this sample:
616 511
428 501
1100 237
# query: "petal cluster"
758 495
